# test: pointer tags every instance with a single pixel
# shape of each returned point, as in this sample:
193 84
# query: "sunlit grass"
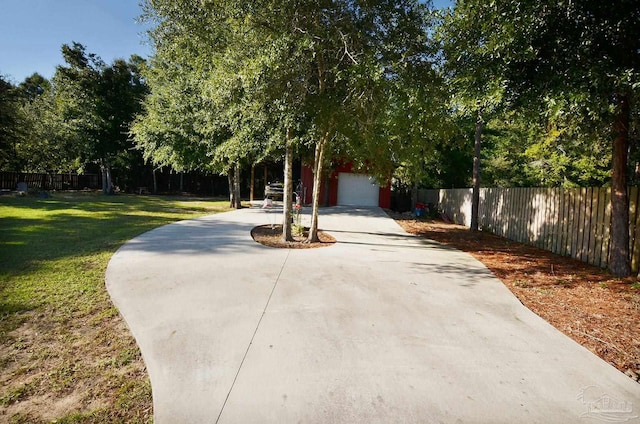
62 339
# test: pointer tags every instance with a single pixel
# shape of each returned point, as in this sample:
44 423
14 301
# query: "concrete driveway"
381 327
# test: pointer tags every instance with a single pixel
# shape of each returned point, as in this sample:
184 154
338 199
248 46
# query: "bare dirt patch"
68 364
594 308
271 235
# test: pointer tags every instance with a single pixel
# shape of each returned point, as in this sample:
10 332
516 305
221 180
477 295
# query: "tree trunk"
253 182
181 182
266 176
107 183
232 192
287 197
237 186
475 196
103 175
109 180
619 248
155 182
318 166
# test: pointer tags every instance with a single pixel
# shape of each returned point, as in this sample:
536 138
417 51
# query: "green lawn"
66 354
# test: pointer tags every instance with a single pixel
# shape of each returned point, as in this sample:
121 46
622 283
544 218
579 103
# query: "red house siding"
385 196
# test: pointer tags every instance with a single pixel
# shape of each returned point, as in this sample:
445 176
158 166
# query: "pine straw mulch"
594 308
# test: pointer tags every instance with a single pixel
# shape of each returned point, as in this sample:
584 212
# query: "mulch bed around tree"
271 235
594 308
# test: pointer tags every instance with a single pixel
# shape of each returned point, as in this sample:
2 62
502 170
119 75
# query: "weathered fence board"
599 227
552 219
508 204
568 222
571 222
587 224
580 224
596 242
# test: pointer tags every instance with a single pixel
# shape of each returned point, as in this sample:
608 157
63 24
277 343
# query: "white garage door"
357 190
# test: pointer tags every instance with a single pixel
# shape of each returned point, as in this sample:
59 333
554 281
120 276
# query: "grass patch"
65 353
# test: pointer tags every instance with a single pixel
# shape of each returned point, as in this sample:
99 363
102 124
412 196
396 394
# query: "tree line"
500 93
78 119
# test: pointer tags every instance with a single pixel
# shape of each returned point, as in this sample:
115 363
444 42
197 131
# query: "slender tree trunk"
253 182
317 179
103 175
266 176
619 248
107 183
287 197
181 182
475 196
318 165
109 180
155 182
232 192
236 186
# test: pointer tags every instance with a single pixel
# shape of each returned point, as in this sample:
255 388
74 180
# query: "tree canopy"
572 68
321 72
97 104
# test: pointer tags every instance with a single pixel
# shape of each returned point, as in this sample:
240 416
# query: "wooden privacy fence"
571 222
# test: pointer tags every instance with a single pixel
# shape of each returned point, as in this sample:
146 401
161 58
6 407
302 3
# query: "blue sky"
33 31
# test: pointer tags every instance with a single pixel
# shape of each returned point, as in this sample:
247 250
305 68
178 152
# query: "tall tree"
361 52
31 129
46 147
525 148
585 52
11 124
402 131
477 148
308 64
202 112
34 85
475 80
97 104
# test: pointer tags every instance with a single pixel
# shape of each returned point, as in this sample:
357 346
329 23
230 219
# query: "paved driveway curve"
382 327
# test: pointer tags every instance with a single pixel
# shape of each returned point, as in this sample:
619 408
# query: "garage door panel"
357 190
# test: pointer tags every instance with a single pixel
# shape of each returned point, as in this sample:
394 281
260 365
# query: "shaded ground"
597 310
